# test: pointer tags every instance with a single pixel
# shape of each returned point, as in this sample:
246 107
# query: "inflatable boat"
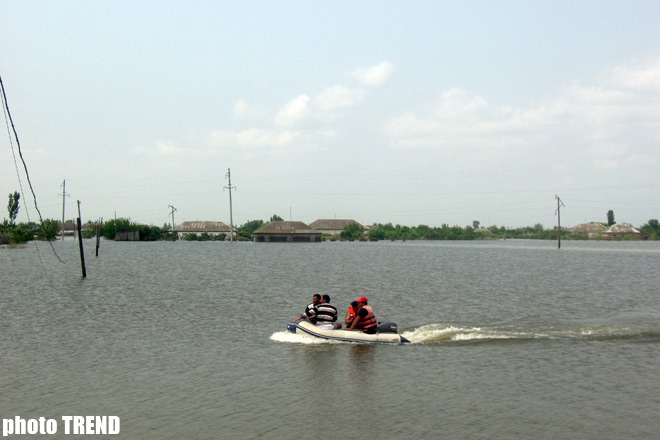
387 333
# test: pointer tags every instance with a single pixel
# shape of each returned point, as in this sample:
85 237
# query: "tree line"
16 233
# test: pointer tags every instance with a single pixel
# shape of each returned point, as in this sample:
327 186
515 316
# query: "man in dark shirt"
310 310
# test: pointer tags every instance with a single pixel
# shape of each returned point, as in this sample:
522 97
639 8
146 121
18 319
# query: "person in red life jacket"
365 319
310 310
350 315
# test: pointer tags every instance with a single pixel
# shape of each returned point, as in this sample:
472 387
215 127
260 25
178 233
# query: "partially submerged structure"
127 236
593 230
199 227
287 232
334 226
623 230
69 230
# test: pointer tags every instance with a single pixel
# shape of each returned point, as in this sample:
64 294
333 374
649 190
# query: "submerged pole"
80 244
98 236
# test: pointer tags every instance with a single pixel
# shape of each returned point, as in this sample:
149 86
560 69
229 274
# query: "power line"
18 145
27 174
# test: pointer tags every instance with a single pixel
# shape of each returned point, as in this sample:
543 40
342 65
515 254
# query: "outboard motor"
387 327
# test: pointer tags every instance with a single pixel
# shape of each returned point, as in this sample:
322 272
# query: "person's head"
362 301
316 298
354 304
326 298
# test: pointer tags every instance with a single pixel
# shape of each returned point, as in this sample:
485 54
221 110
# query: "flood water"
187 340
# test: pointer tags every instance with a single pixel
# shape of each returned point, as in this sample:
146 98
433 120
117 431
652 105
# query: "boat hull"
306 327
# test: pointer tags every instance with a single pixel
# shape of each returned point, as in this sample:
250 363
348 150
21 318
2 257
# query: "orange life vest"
368 321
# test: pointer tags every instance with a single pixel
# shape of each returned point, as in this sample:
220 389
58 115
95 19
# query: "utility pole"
173 211
231 216
64 196
98 235
559 205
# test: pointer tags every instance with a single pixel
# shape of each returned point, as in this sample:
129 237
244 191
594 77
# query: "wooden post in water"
98 236
80 244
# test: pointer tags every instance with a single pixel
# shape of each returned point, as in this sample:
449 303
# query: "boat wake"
438 333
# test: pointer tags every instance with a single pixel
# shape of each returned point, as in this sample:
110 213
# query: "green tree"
276 218
351 232
652 229
610 218
119 225
12 206
245 231
48 230
147 233
475 224
21 235
377 233
190 237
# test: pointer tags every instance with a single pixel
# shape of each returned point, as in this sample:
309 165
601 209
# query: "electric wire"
8 121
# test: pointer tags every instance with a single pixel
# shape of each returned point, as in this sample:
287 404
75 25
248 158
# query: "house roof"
68 226
591 228
286 227
334 224
622 228
202 226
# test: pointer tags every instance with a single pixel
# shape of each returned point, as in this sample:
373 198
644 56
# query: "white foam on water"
435 333
442 333
298 338
476 336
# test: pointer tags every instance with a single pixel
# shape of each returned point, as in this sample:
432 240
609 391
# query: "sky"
409 112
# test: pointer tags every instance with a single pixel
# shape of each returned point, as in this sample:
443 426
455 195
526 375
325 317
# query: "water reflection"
362 356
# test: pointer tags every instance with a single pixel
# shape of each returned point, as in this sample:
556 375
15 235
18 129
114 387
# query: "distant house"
91 226
127 236
593 230
619 231
287 232
334 226
198 227
70 229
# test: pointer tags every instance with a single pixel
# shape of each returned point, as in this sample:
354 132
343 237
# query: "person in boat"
310 310
326 314
365 319
350 315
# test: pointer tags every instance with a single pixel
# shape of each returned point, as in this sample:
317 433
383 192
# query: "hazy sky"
410 112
